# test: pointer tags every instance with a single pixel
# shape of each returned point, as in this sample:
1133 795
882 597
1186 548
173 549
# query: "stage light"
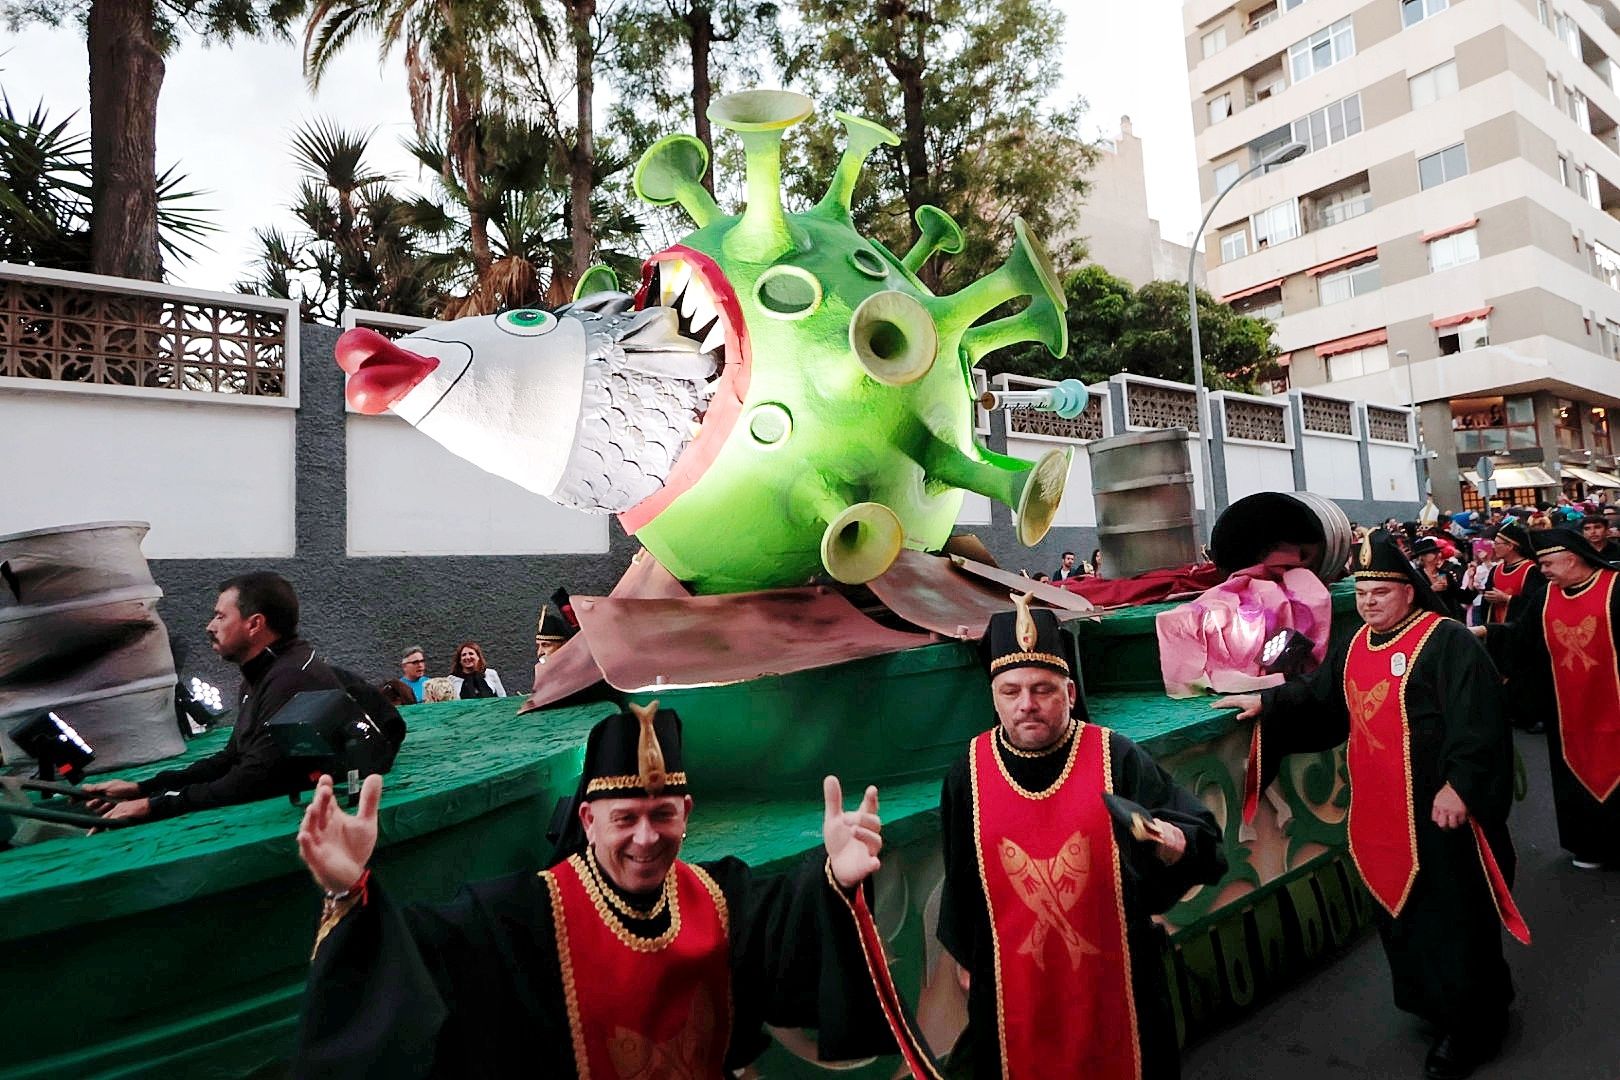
1286 652
60 751
197 705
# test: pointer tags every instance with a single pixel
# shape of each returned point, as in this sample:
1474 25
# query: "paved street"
1339 1023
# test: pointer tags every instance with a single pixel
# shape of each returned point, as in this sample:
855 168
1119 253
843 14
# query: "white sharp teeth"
672 281
694 299
716 338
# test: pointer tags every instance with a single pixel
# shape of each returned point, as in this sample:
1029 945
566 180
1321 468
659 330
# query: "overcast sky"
226 114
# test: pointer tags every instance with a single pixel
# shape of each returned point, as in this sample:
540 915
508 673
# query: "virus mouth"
380 372
691 283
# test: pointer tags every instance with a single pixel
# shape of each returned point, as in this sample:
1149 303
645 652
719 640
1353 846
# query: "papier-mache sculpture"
782 396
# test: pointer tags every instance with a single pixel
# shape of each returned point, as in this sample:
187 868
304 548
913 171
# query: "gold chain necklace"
617 902
1395 632
1052 788
1006 744
630 940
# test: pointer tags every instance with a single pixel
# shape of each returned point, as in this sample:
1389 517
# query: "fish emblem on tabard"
1574 640
1364 704
1050 887
682 1057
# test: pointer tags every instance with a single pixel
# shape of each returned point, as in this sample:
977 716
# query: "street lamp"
1417 424
1285 153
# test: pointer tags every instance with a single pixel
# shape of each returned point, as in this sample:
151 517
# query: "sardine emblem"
1050 887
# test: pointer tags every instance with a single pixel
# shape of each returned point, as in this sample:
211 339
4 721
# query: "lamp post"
1417 426
1284 153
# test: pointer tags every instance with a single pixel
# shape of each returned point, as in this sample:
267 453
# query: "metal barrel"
80 635
1143 487
1254 525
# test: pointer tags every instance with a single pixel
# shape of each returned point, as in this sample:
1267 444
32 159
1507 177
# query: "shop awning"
1531 476
1448 230
1592 478
1458 320
1252 290
1347 260
1353 342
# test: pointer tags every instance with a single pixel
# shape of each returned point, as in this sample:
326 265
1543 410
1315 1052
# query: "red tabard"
1050 869
1383 829
1586 681
644 1011
1510 582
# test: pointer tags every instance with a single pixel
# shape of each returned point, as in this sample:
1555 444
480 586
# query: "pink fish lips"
380 372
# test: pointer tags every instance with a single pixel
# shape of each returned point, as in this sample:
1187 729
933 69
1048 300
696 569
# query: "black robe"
1150 887
1445 949
473 988
1587 829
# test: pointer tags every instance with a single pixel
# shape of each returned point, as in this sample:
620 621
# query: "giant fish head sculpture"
783 396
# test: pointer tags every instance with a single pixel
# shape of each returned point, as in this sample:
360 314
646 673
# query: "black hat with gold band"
634 755
1024 637
1512 531
1551 541
1380 560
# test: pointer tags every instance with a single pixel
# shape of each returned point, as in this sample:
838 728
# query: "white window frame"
1341 206
1570 35
1357 362
1544 14
1552 89
1233 170
1589 188
1435 84
1426 9
1440 156
1579 111
1349 283
1315 129
1456 249
1473 334
1606 264
1220 107
1339 41
1234 245
1563 171
1213 42
1262 223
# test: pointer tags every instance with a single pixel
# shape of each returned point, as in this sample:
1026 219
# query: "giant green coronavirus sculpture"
783 397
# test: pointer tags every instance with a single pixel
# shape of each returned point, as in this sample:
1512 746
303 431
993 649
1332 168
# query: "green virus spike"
861 138
761 117
1026 272
597 279
671 171
939 232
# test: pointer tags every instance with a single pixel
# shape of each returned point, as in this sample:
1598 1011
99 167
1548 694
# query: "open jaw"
695 287
380 372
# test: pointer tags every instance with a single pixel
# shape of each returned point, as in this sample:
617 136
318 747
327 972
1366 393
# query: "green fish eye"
526 322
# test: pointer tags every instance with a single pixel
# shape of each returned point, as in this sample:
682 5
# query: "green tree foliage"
126 41
359 245
1114 327
46 183
962 82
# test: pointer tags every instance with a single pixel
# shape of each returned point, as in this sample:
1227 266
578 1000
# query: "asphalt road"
1339 1022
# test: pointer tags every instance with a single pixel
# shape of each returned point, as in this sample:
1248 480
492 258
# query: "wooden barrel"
1254 525
1146 514
80 635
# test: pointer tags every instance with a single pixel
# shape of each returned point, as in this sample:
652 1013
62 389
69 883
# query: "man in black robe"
1573 675
581 965
1440 925
1035 757
1516 586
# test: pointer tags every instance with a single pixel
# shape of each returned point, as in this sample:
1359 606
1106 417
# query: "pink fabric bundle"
1214 642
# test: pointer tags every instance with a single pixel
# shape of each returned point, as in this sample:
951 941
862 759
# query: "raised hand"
337 846
853 837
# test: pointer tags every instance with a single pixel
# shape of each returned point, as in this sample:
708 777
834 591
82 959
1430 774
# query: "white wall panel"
407 495
1332 467
1394 475
1251 469
215 481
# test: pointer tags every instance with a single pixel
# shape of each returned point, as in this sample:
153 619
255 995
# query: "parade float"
782 416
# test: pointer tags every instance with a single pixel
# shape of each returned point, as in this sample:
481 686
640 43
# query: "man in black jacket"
255 626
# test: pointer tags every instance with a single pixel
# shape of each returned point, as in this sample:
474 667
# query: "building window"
1441 166
1473 334
1484 425
1226 175
1234 245
1568 426
1415 11
1323 49
1552 89
1334 124
1350 282
1563 171
1589 187
1214 41
1606 264
1343 205
1430 86
1454 250
1276 224
1220 108
1569 34
1579 111
1600 432
1544 13
1349 365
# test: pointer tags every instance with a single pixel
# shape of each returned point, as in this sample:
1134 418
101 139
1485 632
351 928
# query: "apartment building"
1113 220
1452 234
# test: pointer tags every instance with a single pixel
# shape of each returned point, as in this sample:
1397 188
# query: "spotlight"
197 705
60 751
327 731
1286 652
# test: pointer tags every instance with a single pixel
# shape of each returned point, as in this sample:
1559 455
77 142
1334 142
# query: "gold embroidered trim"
714 892
628 783
1119 903
620 931
1397 630
565 961
1382 575
1028 658
1580 590
1607 623
1068 766
621 905
1555 549
332 913
984 884
1004 743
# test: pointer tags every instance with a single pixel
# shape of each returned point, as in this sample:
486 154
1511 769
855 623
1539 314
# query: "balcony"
1337 202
